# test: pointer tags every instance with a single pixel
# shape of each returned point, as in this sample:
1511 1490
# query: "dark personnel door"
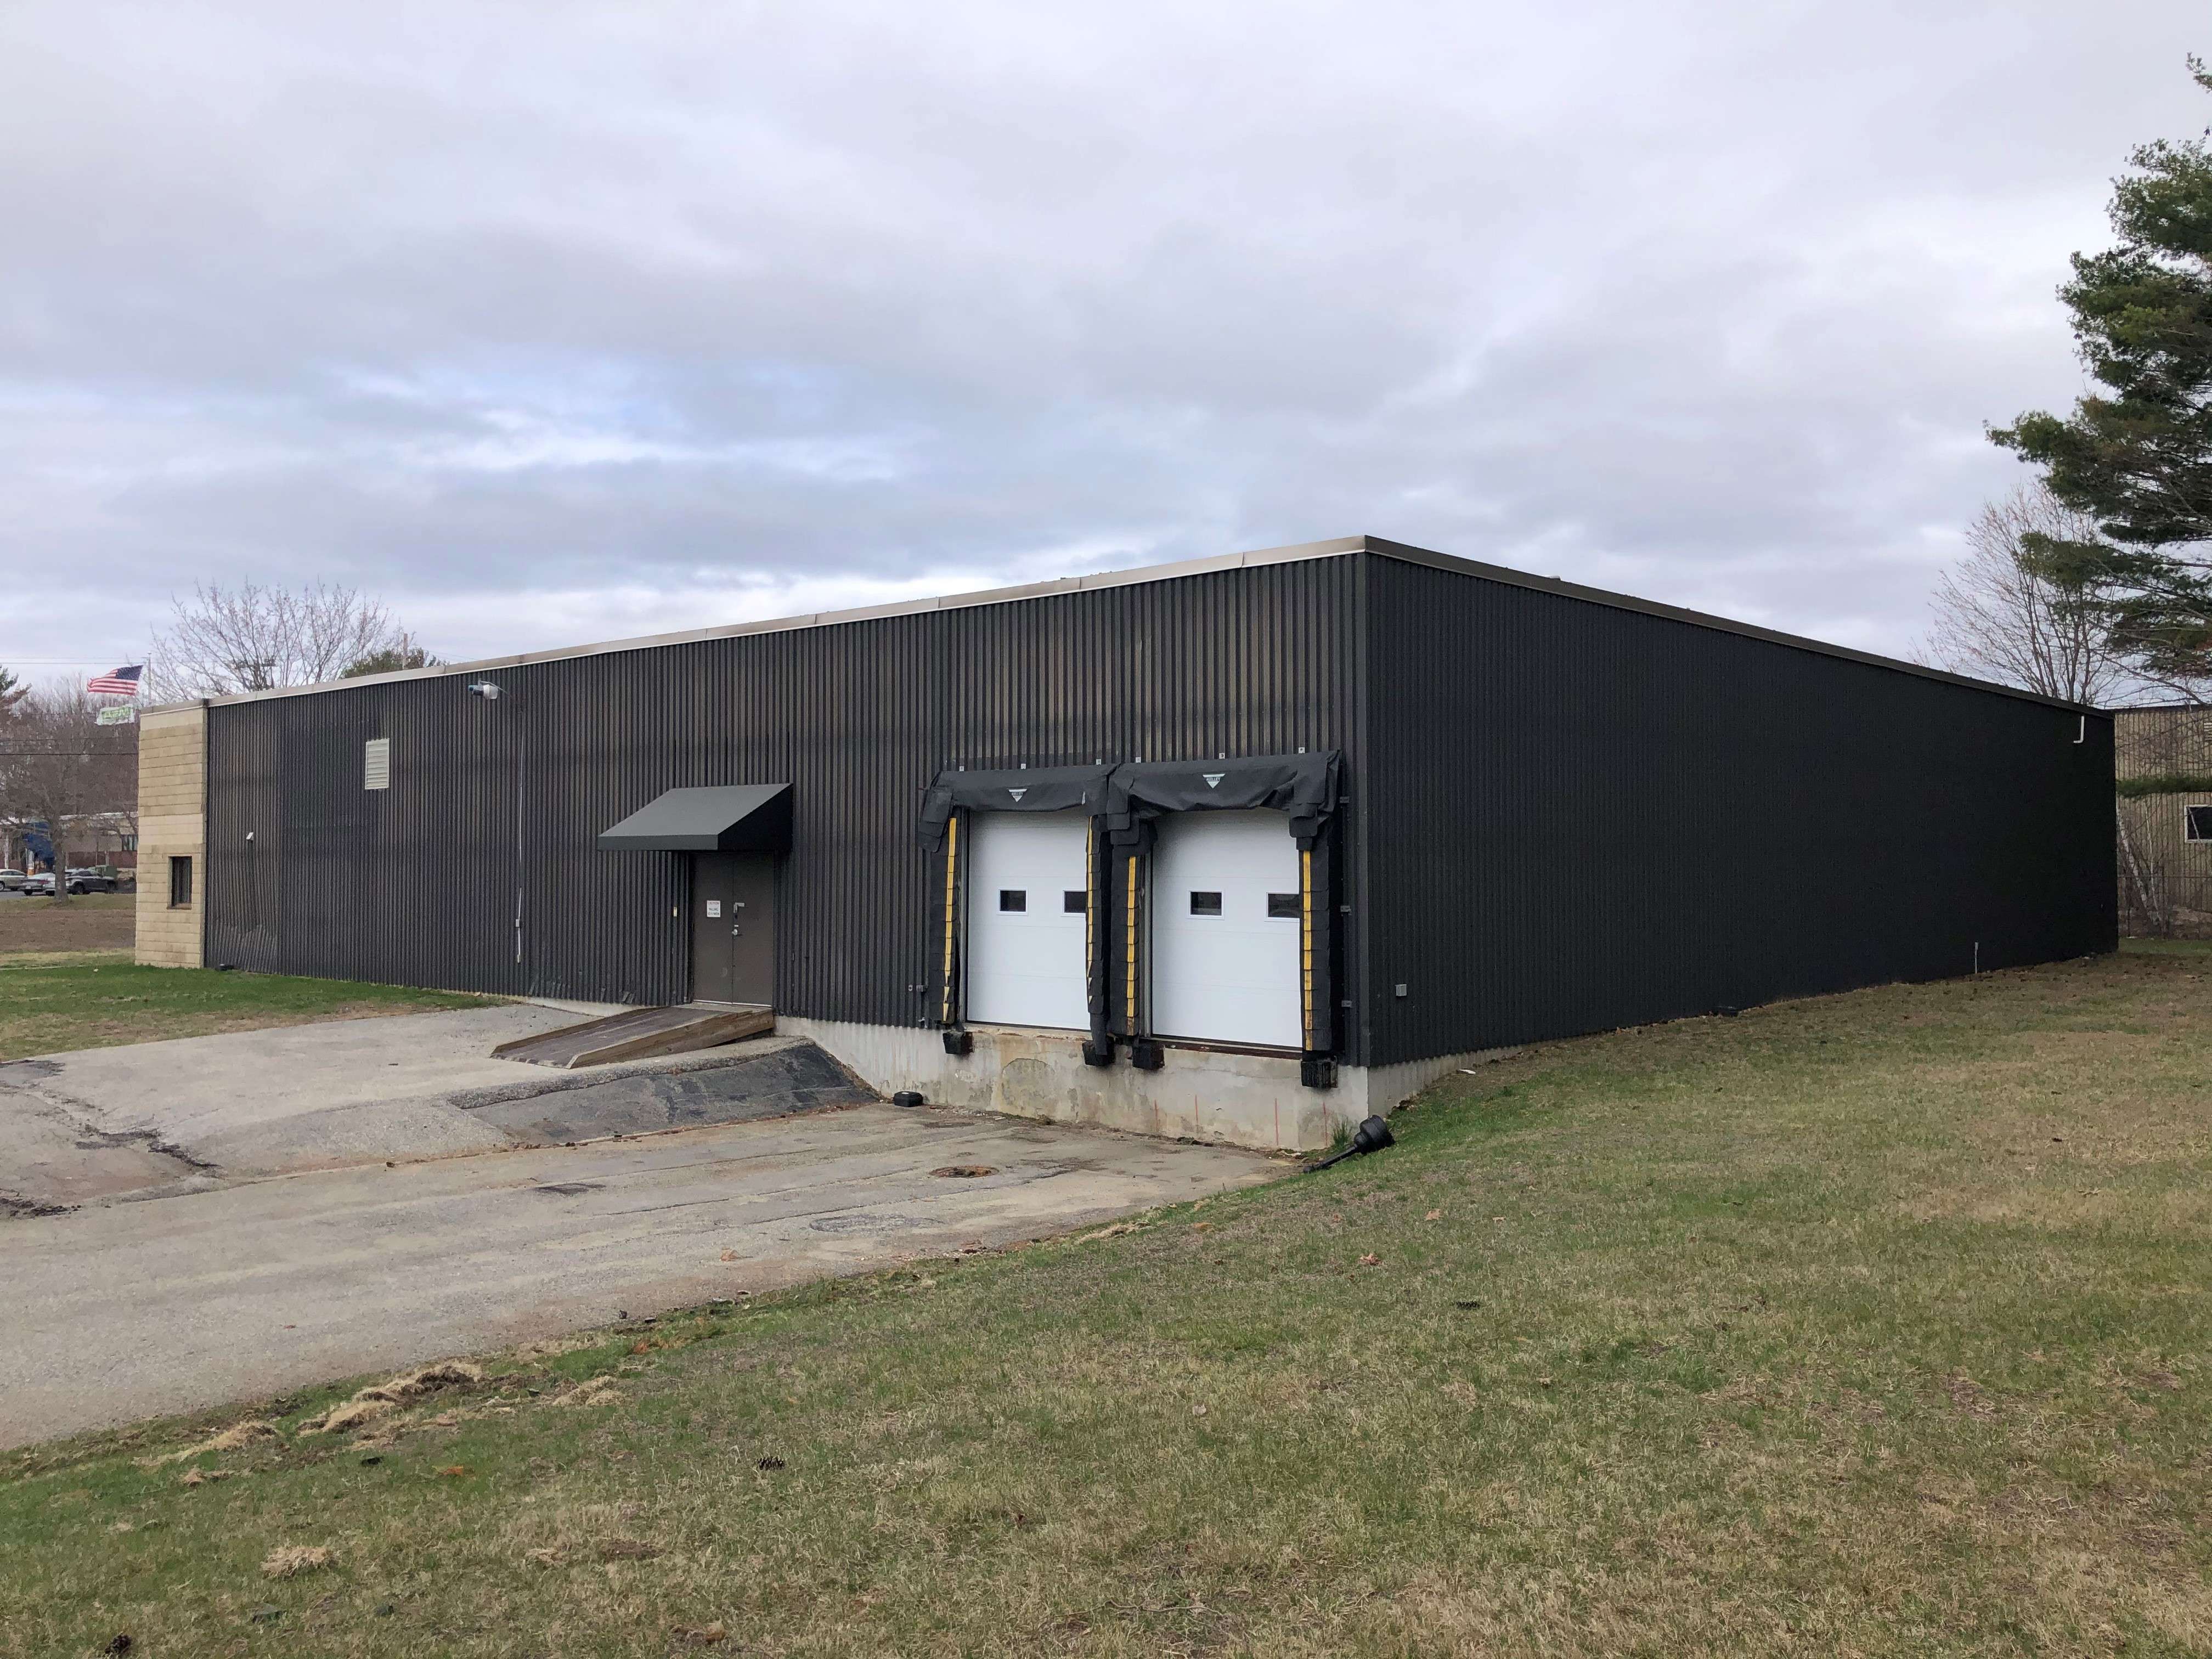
733 927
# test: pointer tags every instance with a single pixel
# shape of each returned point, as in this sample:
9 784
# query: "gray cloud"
555 322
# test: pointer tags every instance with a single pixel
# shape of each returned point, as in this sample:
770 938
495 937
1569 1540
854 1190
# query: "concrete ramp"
772 1080
641 1034
93 1127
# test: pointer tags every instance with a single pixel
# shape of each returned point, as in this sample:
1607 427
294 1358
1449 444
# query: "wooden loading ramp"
641 1034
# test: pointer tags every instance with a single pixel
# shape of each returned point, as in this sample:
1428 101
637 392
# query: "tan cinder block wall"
2157 828
2161 742
172 824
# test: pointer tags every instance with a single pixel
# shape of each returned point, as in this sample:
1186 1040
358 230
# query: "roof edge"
1499 573
1334 548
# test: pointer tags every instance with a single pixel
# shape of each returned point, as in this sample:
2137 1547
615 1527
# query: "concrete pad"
342 1092
189 1089
175 1304
369 1132
49 1162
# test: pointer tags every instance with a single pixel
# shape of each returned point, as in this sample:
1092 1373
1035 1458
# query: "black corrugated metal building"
1511 808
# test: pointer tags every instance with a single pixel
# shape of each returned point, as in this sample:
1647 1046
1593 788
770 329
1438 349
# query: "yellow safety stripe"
1089 904
1129 926
951 860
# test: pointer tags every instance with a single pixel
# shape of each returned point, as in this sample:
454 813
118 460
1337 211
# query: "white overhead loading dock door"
1027 879
1224 931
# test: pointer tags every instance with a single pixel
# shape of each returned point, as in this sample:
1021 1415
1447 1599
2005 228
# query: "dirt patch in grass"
1721 1337
97 921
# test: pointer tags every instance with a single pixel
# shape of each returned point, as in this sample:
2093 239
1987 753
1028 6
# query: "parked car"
80 881
12 879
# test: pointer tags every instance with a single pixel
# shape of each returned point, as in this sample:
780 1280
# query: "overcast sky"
553 323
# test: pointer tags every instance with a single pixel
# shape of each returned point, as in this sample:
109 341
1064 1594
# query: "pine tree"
2136 455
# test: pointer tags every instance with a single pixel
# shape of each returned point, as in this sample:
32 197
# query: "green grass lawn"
1873 1324
57 1000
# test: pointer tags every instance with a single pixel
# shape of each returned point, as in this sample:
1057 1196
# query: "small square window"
2197 823
181 884
1282 906
1013 898
1205 904
1074 902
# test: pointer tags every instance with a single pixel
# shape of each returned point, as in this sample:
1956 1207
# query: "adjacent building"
1241 848
2163 763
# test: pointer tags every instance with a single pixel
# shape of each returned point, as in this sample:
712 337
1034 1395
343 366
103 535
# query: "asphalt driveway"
129 1310
250 1213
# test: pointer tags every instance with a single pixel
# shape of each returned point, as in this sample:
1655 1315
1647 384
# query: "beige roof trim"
1160 573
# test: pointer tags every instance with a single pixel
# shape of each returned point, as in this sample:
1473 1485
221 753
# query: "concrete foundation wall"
172 824
1225 1099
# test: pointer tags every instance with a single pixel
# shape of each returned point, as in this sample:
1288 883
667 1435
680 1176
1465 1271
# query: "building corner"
172 836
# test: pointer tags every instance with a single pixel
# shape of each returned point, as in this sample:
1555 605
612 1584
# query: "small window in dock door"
1283 907
1013 898
1205 904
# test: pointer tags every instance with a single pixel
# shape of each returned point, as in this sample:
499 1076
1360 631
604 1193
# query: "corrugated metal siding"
416 884
1582 818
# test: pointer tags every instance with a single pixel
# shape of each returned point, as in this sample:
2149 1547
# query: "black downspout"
1098 942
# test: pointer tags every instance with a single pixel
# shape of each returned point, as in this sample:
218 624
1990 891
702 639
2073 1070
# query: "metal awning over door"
734 817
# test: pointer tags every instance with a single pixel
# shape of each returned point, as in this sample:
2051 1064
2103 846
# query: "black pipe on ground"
1373 1136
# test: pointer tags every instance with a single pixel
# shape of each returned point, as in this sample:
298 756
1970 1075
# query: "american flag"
123 683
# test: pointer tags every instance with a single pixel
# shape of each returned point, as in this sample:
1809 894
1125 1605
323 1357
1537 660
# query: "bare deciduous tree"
403 652
61 767
1995 617
2148 902
252 638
